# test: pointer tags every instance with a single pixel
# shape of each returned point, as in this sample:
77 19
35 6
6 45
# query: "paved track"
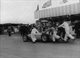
14 47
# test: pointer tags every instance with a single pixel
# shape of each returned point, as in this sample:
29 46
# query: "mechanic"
65 25
54 33
34 33
54 36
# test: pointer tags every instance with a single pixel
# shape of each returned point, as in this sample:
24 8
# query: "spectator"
9 31
77 27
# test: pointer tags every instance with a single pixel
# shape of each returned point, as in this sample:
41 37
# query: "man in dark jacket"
9 31
77 27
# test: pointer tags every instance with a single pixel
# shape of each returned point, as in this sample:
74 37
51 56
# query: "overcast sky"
20 11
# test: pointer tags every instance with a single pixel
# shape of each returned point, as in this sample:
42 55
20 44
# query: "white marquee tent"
59 10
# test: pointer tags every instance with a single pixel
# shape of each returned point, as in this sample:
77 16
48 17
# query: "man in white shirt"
65 25
54 36
34 33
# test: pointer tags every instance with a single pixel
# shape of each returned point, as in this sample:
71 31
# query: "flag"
47 4
37 8
64 1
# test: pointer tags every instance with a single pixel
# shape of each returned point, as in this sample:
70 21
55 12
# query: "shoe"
73 40
65 40
34 41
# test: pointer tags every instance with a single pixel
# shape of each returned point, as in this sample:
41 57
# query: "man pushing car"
34 33
65 25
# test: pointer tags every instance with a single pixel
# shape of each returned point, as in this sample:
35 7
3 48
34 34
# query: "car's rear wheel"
44 37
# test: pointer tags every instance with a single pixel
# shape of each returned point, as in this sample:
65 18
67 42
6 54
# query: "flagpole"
37 8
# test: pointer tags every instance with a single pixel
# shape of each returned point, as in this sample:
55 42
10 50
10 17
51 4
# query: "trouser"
68 35
55 36
61 32
33 37
9 33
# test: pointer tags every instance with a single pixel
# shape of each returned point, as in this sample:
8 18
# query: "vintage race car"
47 36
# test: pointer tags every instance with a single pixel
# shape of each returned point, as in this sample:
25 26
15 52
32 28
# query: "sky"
21 11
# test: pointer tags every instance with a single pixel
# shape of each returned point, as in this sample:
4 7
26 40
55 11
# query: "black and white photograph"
39 28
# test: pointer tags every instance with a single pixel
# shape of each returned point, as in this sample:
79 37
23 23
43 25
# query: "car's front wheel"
25 38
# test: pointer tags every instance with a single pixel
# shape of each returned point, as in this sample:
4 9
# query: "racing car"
47 36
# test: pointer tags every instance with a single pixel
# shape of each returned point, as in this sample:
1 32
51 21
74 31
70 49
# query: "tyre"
44 37
25 38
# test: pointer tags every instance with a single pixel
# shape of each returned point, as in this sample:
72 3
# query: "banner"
47 4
